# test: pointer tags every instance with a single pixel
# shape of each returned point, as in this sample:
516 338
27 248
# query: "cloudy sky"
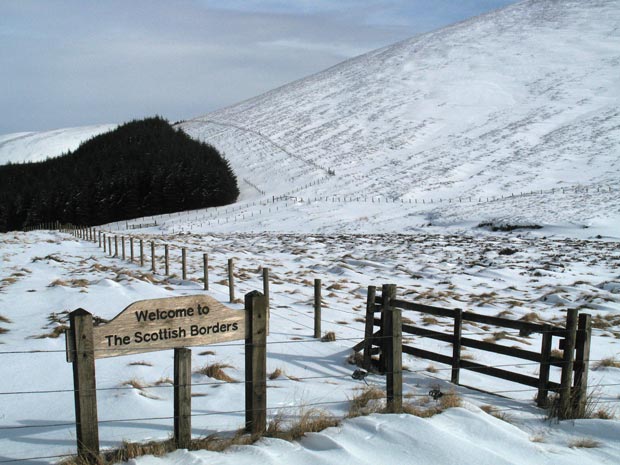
70 63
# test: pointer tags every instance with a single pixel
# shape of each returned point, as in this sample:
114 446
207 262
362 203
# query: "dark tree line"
141 168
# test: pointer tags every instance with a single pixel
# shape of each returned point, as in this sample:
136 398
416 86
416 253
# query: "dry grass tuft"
55 333
4 319
329 337
216 371
432 369
3 330
450 399
429 320
369 400
207 352
140 363
276 374
587 443
608 362
310 421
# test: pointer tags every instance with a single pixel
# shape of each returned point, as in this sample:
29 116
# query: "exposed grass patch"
275 374
55 333
369 400
585 443
310 421
207 352
428 320
216 371
608 362
329 337
140 363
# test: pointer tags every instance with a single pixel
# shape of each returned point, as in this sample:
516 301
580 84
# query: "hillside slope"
518 100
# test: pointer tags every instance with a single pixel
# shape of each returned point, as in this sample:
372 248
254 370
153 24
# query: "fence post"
456 345
266 294
141 252
182 397
582 364
545 367
383 342
368 330
231 280
105 248
205 265
567 365
99 239
123 246
131 249
115 246
255 363
184 263
317 308
84 384
394 354
153 256
166 260
109 245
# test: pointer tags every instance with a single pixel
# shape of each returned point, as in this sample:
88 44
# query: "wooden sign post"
160 324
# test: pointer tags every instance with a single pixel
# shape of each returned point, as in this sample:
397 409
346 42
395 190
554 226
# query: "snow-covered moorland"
46 274
379 170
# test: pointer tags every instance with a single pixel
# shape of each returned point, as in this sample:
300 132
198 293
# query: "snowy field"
46 274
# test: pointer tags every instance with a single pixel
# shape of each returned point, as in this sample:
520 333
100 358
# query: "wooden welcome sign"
160 324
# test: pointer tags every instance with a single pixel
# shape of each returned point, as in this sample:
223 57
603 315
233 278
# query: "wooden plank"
499 373
369 326
256 364
182 398
159 324
503 322
394 359
424 308
582 364
317 308
500 349
456 346
427 355
428 333
544 370
566 378
85 386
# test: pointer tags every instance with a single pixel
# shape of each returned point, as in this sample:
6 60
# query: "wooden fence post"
255 363
565 407
231 280
266 294
184 263
182 397
394 354
123 246
166 260
153 269
141 252
205 266
105 248
109 245
383 342
582 364
99 239
84 384
368 329
456 345
317 308
131 249
115 246
545 367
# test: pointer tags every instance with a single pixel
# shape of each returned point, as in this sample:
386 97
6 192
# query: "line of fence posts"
575 343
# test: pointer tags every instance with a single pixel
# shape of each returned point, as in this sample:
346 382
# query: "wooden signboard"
160 324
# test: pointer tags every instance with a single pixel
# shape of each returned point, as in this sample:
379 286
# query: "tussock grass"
4 319
608 362
329 337
369 400
309 421
207 352
3 330
216 371
429 320
140 363
55 333
275 374
586 443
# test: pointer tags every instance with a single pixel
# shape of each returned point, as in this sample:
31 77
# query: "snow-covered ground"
46 274
510 118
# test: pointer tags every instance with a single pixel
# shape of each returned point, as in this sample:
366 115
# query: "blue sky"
70 63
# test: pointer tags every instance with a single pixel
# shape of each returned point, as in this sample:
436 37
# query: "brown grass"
369 400
55 333
608 362
207 352
450 400
310 421
3 330
140 363
329 337
429 320
4 319
587 443
216 371
276 374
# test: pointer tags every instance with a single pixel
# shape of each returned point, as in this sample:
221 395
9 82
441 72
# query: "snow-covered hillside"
37 146
455 126
518 100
